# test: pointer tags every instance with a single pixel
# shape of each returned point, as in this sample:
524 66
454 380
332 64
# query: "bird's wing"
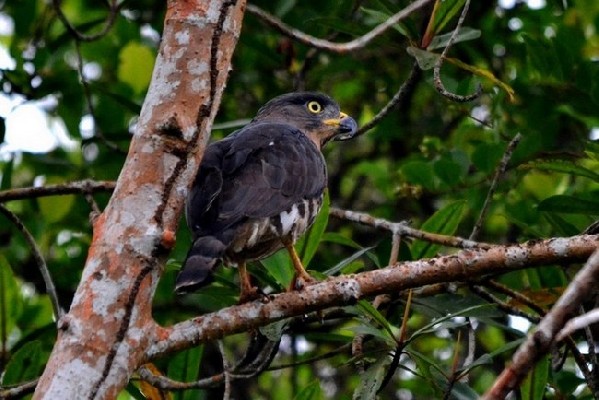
264 170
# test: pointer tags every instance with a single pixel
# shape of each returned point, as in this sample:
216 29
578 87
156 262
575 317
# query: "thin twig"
580 322
502 305
437 69
77 187
403 229
499 171
352 45
226 368
88 99
395 100
114 8
39 260
527 301
18 390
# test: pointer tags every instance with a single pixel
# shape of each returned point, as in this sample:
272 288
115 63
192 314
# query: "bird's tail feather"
203 257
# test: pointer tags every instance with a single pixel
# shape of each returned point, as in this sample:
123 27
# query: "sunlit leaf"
444 221
136 62
562 166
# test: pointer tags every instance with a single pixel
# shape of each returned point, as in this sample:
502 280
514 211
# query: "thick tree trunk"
104 337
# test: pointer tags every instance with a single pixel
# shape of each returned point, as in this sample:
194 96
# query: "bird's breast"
258 238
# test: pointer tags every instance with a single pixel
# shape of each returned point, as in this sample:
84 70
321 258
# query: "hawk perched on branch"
261 187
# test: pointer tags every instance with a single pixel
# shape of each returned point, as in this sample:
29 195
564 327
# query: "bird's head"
315 114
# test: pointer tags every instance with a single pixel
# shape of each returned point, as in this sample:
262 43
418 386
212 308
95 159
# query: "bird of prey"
260 188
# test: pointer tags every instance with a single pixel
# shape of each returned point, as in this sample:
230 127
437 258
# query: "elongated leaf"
367 309
464 34
533 387
279 267
334 270
185 367
562 166
370 381
444 221
569 204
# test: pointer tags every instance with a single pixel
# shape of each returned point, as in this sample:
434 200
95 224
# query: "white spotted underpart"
288 219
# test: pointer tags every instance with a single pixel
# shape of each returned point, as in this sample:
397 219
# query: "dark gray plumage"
261 187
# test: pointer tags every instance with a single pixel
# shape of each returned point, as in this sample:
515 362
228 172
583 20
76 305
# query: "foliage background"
429 160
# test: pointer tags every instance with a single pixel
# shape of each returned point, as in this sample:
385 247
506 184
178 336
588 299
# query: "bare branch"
403 229
18 390
395 100
579 322
39 260
113 12
502 305
355 44
539 341
437 70
77 187
464 266
499 171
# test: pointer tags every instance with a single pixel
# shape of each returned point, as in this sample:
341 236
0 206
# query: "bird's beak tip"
347 127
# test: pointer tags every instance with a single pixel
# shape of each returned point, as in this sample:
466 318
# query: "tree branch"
466 265
437 69
77 187
541 339
322 44
39 260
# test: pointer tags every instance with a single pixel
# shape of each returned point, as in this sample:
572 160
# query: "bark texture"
104 337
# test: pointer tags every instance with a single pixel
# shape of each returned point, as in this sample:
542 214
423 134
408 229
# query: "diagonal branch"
541 339
87 186
466 265
39 260
353 45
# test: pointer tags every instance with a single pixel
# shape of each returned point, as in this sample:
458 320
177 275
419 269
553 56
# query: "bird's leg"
248 291
301 277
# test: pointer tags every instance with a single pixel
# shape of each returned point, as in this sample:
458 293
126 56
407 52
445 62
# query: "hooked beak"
346 126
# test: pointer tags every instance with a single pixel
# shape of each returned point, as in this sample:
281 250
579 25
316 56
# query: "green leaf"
371 379
11 301
445 221
464 35
367 309
569 204
533 387
341 264
562 166
185 367
449 172
136 62
419 173
25 364
279 266
486 156
426 60
55 208
445 12
310 392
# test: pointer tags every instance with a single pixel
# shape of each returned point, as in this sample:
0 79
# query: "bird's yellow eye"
314 107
